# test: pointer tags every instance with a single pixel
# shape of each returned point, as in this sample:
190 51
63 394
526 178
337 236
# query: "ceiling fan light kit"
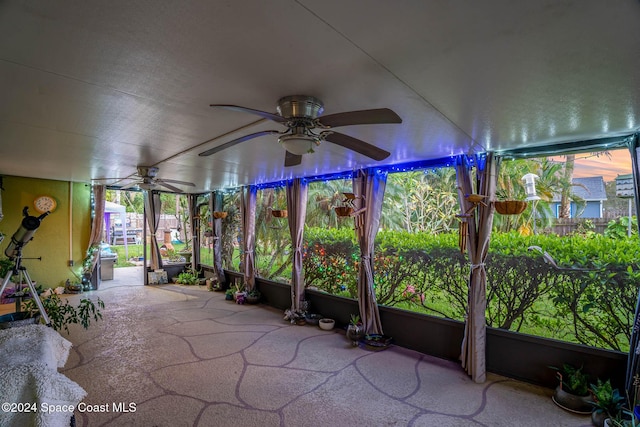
299 144
147 186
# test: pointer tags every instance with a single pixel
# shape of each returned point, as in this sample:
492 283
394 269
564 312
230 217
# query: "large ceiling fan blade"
175 181
107 179
291 159
263 114
357 145
130 185
237 141
169 186
362 117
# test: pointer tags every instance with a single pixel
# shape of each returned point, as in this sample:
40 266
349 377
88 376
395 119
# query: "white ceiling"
90 89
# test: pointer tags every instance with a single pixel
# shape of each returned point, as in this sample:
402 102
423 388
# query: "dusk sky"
618 163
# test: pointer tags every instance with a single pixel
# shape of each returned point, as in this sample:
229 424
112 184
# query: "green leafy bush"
189 277
62 314
588 296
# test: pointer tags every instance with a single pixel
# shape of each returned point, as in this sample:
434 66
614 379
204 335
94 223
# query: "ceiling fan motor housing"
300 106
147 171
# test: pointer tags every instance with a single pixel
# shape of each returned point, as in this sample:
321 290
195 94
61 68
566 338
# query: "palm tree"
272 234
421 201
567 179
323 196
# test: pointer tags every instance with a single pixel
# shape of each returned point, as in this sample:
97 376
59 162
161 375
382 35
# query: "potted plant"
572 393
62 314
509 197
376 342
188 277
228 295
279 213
607 402
295 317
348 206
239 294
355 330
623 418
186 254
253 296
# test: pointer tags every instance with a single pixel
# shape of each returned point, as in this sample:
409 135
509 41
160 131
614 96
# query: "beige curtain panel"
152 206
248 215
479 222
97 222
368 187
297 211
216 202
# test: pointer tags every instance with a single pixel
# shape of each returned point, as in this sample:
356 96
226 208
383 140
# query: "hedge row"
588 296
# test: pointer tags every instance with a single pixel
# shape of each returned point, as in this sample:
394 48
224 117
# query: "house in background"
589 195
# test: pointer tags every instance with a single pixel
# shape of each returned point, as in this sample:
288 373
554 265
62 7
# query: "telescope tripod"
19 269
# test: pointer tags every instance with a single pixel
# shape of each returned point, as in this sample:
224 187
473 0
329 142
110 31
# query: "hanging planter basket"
279 213
510 207
219 215
344 210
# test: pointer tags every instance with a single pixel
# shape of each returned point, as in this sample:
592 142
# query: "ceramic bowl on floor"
326 324
313 319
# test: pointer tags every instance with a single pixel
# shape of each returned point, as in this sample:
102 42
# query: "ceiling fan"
307 129
146 180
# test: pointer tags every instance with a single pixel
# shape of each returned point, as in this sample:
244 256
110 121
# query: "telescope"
24 233
21 237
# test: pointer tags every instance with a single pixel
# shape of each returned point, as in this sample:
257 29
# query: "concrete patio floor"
182 356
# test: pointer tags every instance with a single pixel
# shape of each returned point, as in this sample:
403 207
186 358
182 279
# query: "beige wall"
63 235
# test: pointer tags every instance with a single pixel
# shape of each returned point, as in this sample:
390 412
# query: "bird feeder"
530 186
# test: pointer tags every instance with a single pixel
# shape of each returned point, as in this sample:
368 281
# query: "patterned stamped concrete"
182 356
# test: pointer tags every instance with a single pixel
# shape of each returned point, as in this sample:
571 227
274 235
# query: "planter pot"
609 423
74 288
186 256
252 299
280 213
239 297
228 297
571 402
355 333
219 215
598 418
376 342
343 210
326 324
313 319
510 207
301 321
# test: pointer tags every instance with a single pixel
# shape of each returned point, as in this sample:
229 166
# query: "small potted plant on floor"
621 419
572 393
253 296
228 295
62 314
239 294
189 277
606 402
355 330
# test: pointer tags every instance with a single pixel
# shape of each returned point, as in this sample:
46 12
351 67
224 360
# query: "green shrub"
588 296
